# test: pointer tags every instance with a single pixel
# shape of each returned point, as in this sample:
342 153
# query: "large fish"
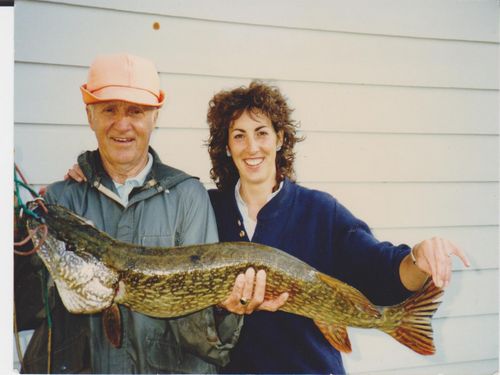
93 271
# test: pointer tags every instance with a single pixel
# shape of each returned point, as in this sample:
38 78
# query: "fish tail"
410 321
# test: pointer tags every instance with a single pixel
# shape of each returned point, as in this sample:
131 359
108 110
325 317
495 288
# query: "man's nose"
123 120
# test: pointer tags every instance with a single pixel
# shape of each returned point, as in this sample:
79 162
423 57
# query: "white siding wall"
398 101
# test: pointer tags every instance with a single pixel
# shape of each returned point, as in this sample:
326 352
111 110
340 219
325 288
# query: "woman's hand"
245 298
433 257
75 173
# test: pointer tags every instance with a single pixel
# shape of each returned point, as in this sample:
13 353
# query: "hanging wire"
45 281
23 183
24 210
30 238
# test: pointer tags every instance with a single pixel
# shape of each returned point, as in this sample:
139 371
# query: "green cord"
20 202
45 282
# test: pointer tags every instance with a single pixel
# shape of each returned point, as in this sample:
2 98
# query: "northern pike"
93 271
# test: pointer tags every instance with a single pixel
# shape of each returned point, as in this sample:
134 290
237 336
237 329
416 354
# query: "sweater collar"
273 208
280 202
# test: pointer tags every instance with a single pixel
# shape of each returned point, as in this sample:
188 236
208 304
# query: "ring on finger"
244 301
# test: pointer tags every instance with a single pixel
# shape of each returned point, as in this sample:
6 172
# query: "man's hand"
245 298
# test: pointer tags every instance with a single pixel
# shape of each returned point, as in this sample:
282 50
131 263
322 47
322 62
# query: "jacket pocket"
163 355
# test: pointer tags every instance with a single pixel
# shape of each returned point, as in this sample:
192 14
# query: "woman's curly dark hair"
227 106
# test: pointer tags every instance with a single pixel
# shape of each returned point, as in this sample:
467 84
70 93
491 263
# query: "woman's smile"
253 162
252 144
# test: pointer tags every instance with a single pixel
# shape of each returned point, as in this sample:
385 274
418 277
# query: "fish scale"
100 271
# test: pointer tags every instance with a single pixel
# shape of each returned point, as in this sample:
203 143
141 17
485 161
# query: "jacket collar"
161 177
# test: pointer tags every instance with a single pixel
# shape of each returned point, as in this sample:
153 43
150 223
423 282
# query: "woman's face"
252 143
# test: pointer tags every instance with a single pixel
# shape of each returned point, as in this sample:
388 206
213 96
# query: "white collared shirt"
130 183
248 222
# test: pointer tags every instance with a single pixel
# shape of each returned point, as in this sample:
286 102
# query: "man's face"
123 131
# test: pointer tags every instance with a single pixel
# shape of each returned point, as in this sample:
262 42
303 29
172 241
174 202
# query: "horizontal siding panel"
395 205
456 341
479 243
394 157
223 49
353 108
438 204
470 293
484 367
54 99
44 153
318 106
450 19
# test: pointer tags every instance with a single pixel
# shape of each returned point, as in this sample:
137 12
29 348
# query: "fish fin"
70 299
84 298
412 319
77 303
336 336
352 294
112 323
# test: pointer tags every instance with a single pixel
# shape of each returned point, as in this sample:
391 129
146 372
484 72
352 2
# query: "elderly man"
130 194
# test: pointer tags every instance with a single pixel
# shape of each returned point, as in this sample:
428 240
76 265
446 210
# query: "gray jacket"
170 209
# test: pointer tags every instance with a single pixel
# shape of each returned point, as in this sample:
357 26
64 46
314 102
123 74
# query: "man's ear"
89 115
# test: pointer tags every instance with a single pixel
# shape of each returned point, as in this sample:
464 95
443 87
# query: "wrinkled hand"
75 173
433 256
245 298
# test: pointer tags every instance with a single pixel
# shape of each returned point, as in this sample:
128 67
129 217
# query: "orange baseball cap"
123 77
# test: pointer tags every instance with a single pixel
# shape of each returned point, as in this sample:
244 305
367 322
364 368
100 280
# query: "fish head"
78 233
85 284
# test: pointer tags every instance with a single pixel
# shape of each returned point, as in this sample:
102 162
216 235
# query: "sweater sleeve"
367 264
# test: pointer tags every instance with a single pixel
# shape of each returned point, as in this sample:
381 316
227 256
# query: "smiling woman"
251 147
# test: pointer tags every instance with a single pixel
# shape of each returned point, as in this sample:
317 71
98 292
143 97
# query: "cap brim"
126 94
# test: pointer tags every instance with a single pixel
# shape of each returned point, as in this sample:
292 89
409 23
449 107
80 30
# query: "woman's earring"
278 148
228 153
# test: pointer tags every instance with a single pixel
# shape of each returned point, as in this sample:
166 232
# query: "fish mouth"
253 162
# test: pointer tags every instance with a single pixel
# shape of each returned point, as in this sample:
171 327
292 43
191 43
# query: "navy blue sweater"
314 227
